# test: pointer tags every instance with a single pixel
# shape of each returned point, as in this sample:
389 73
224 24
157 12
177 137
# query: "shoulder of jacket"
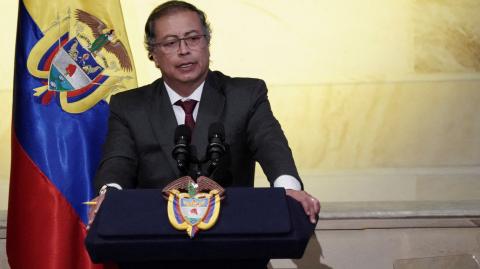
235 82
137 93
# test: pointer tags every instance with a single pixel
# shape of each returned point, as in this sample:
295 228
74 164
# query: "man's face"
184 66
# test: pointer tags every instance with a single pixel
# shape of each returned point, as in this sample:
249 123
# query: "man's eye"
169 43
194 38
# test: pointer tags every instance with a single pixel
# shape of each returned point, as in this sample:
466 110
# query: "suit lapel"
210 111
163 121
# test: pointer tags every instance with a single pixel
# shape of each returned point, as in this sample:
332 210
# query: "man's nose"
183 47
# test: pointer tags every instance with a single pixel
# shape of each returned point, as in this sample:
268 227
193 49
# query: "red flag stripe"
38 210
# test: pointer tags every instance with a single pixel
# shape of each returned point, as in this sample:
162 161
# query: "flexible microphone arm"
216 146
181 152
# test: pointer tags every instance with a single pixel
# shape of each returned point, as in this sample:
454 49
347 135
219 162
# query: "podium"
254 225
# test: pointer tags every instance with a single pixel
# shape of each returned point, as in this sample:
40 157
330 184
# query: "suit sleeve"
119 161
266 139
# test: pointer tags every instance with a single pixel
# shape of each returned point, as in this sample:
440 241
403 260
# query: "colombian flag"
70 57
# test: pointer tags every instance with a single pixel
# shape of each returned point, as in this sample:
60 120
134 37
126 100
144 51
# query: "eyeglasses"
173 44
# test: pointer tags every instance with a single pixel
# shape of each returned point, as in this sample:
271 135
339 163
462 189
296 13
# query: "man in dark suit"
137 152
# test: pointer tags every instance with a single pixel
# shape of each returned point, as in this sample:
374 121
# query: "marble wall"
381 125
447 36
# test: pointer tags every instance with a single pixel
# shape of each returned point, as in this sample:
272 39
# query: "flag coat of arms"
70 57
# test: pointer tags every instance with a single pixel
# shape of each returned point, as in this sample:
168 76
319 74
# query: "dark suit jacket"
140 140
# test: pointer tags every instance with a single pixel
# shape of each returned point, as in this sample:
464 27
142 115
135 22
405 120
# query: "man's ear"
153 58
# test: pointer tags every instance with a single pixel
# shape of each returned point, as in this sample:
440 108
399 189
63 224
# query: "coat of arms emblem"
80 60
193 206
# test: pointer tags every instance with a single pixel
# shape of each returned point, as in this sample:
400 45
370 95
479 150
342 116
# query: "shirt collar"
174 96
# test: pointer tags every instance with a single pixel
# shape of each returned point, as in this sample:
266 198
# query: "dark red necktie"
188 106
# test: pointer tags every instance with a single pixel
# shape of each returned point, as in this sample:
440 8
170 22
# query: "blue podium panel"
262 223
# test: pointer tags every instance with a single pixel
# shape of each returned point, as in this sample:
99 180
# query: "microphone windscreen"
182 131
216 129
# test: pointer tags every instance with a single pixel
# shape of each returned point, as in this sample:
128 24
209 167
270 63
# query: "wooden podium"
255 225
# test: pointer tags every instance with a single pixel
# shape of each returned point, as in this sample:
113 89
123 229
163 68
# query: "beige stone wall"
380 101
7 36
381 125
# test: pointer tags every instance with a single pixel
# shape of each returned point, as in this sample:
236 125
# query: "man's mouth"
185 65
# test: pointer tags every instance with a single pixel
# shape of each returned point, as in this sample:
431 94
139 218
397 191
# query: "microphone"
181 151
216 147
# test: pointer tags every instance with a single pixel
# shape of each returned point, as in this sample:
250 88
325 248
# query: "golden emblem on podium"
193 206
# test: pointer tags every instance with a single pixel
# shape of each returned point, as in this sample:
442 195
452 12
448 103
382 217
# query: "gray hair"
168 8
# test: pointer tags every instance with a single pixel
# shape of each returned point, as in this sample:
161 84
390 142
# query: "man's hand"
310 204
92 212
